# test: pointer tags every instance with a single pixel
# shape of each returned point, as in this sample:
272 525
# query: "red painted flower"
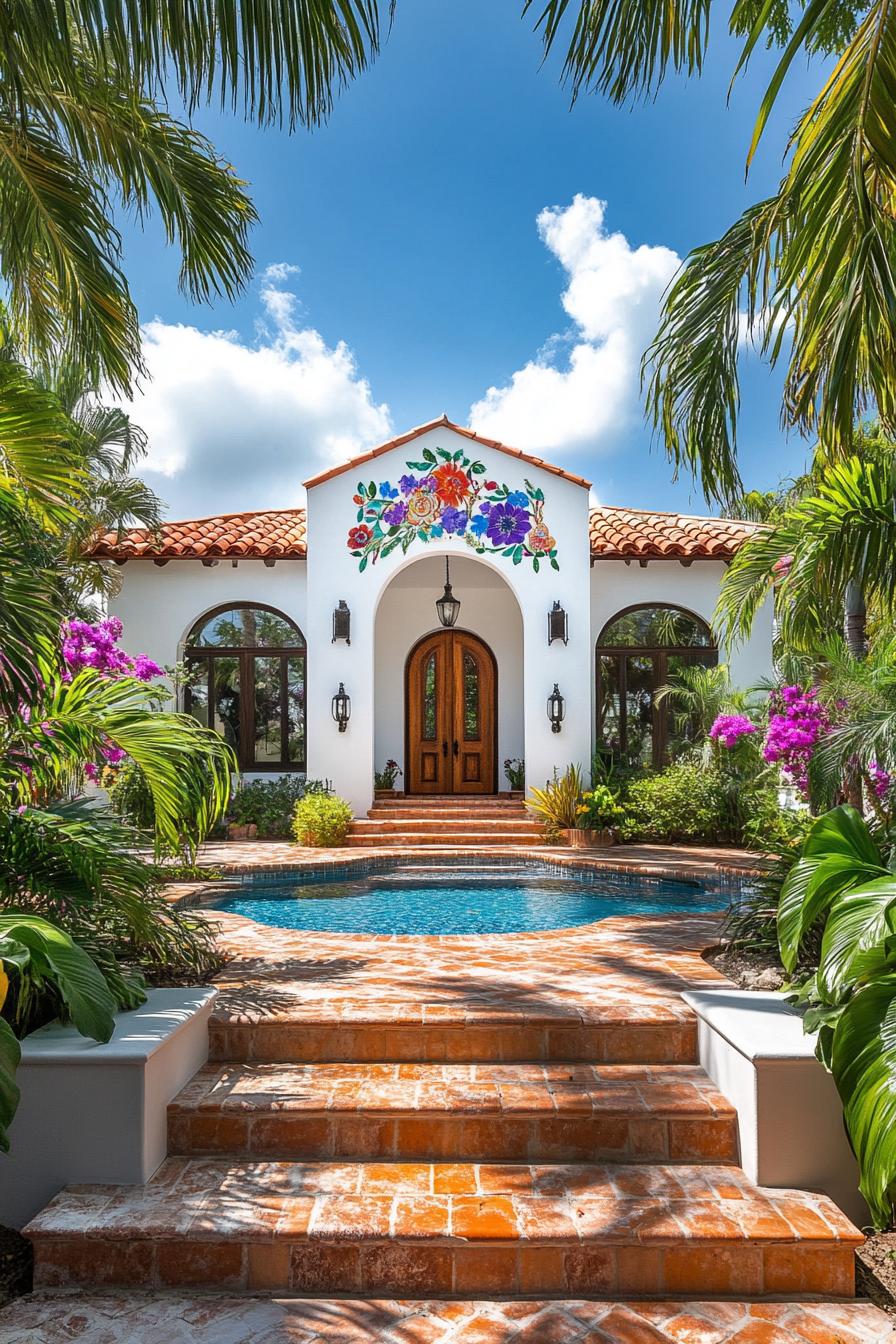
491 485
358 537
356 499
452 485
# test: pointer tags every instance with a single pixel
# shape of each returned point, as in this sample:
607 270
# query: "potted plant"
384 780
556 804
596 814
515 774
241 830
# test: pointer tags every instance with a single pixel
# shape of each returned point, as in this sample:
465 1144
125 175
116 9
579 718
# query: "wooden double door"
450 695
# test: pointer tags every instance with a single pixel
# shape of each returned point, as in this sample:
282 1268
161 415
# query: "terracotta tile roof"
444 423
271 534
618 533
267 534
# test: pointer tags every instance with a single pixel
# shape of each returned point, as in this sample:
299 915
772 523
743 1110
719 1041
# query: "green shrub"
321 820
598 809
683 802
270 804
131 798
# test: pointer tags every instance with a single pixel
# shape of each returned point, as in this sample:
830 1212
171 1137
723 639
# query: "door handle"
444 748
456 748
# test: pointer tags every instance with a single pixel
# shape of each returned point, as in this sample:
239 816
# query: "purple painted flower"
454 521
508 525
728 729
396 515
407 484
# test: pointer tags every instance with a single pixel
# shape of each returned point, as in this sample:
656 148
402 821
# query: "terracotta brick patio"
461 1117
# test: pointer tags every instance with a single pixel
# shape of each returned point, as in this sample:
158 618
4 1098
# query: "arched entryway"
451 687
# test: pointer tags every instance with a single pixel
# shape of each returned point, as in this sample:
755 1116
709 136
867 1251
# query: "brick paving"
137 1318
503 1116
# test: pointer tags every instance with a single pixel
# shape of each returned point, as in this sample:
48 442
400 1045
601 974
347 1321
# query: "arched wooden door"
450 695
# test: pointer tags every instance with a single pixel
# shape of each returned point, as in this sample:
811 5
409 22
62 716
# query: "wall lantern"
342 708
556 708
448 606
342 623
558 624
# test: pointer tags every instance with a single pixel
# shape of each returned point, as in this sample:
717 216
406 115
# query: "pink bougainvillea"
86 645
728 729
880 780
796 721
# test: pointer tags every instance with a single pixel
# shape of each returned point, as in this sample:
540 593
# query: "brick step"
439 1230
407 839
213 1318
445 811
476 1113
450 799
519 827
446 1033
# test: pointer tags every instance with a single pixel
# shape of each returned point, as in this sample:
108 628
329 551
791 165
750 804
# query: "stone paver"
162 1318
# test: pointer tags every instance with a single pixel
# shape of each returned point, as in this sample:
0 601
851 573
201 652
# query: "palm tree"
81 133
811 267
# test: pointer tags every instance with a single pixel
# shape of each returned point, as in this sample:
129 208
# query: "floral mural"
446 494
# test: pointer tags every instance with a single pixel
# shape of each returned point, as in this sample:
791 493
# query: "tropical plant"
385 778
843 884
557 803
515 773
599 808
811 267
42 957
321 820
269 804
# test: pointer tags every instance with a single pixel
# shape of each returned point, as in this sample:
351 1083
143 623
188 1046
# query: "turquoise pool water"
457 899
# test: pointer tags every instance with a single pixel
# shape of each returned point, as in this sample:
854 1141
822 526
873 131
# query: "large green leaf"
855 936
863 1063
842 831
808 891
10 1054
74 974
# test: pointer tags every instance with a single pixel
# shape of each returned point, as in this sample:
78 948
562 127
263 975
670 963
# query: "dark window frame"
246 655
701 655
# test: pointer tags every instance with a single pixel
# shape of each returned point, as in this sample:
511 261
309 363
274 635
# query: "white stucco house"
315 643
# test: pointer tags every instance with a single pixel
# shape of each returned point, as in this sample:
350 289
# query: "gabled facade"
603 604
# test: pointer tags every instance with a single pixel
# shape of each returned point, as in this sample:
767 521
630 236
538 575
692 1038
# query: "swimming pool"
464 898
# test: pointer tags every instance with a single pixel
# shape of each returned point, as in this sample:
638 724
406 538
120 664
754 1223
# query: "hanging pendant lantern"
448 606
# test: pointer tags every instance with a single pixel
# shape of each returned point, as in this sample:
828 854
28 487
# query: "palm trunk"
854 629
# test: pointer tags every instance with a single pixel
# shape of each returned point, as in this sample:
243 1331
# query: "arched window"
639 650
247 681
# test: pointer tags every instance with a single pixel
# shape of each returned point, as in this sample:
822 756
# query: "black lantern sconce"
558 624
556 708
448 606
342 622
342 708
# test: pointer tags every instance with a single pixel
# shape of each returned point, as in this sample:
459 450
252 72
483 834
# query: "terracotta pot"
247 832
591 839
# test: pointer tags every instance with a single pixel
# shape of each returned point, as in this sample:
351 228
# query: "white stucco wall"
616 585
407 612
349 758
158 605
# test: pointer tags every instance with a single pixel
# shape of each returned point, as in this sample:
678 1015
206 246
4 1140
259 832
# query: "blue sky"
424 279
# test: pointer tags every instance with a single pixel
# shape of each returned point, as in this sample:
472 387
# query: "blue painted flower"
407 484
396 515
436 530
518 499
387 490
479 524
454 521
507 526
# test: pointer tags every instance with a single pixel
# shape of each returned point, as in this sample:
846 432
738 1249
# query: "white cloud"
612 295
234 425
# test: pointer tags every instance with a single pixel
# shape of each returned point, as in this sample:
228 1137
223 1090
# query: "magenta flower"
95 646
728 729
795 724
880 780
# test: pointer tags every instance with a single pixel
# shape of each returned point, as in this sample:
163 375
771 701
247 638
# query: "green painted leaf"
429 456
10 1054
863 1062
444 454
477 468
809 889
554 564
371 490
76 977
857 928
517 554
535 565
458 456
419 466
842 831
363 565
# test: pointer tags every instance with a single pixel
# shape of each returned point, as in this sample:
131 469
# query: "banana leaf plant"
33 948
842 884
